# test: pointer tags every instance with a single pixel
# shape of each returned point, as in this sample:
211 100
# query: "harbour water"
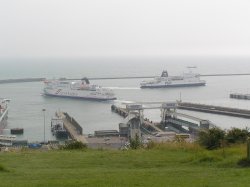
27 102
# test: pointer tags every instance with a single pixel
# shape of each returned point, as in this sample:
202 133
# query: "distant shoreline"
21 80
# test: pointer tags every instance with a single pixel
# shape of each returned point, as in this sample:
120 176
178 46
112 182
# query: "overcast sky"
82 28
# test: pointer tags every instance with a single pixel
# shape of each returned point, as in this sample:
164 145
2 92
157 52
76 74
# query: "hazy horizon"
118 28
112 67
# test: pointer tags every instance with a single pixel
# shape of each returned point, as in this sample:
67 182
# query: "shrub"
179 139
244 162
236 135
74 145
152 145
212 138
2 168
135 143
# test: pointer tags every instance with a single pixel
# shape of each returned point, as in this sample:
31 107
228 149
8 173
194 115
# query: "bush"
3 169
212 138
244 162
135 143
74 145
236 135
152 145
179 139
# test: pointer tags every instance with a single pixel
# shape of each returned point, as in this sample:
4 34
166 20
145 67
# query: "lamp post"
44 125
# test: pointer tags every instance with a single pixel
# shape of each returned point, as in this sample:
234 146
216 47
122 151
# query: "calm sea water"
27 102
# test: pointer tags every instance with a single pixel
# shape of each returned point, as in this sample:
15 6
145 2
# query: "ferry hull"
164 81
77 90
81 97
173 85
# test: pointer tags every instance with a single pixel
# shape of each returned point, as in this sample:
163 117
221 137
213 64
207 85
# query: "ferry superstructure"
164 81
3 113
57 128
77 89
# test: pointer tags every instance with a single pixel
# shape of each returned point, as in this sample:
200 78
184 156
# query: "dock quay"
104 139
108 142
235 112
72 127
239 96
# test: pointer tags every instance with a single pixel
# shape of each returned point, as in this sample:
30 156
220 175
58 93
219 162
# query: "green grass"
162 165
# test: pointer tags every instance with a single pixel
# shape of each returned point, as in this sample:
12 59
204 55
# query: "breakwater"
144 77
5 81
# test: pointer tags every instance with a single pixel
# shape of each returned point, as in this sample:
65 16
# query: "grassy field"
164 165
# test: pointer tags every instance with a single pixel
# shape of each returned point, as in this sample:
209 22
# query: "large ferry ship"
77 89
187 79
3 113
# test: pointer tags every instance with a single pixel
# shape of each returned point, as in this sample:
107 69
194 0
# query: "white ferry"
3 113
187 79
77 89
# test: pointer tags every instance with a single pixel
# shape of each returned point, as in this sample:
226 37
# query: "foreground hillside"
164 165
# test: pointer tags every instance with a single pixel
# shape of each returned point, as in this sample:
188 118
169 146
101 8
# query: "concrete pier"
72 127
243 113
